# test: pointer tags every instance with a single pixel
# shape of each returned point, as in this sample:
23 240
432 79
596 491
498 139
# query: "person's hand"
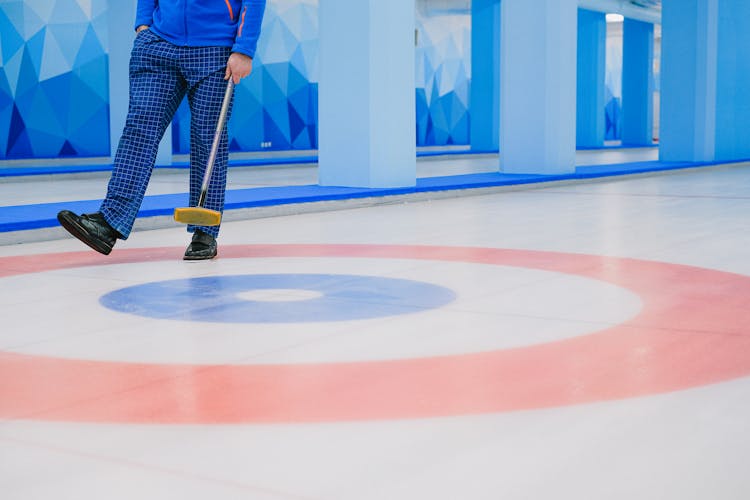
141 28
238 67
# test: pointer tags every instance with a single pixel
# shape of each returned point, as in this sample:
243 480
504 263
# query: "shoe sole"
194 258
69 221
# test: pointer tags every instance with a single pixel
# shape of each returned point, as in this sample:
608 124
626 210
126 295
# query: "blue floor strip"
26 217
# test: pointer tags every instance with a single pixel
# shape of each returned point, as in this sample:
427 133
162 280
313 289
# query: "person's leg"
156 89
206 91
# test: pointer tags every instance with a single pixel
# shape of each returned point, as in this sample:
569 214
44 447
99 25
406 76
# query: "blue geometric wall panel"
54 89
443 61
276 108
54 96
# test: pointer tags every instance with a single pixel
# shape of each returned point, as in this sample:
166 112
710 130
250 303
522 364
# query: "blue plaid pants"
161 74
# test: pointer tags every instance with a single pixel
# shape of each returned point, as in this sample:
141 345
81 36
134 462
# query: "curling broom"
198 215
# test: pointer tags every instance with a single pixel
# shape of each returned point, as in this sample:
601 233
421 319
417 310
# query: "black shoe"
202 247
91 229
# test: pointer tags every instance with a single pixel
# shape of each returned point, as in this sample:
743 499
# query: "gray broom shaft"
217 138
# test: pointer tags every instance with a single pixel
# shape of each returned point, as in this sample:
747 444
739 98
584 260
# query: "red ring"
691 331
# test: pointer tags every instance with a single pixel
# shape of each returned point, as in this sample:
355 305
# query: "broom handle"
217 138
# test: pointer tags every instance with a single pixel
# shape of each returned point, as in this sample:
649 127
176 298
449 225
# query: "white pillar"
538 86
366 113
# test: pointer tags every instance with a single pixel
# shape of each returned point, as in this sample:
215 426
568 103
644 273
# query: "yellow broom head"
197 216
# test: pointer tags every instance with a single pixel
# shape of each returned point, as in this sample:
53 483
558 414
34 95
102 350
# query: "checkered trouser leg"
160 76
204 114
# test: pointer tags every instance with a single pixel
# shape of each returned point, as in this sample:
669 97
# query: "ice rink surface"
579 341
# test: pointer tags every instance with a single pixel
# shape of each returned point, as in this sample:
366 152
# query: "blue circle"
217 298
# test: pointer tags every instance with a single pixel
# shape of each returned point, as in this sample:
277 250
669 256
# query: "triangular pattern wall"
54 89
276 107
54 99
443 61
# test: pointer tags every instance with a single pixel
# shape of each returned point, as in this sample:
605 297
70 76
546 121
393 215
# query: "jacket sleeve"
144 13
248 26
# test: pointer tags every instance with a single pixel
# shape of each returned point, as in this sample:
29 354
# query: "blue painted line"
25 217
219 299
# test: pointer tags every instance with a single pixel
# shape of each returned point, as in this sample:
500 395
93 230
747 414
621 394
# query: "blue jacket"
202 23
